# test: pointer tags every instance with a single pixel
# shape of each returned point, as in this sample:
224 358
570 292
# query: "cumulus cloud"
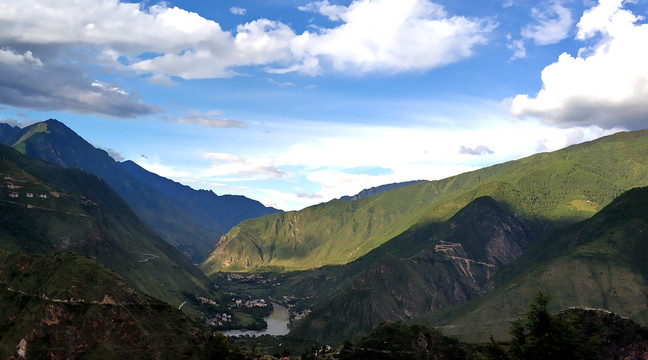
333 12
228 165
10 57
553 24
388 35
517 46
162 41
28 82
605 84
209 118
478 150
237 10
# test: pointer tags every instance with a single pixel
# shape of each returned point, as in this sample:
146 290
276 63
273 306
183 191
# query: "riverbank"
277 322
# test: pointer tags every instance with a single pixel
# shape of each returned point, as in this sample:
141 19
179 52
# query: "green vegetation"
543 336
191 220
598 263
80 213
549 190
538 334
63 305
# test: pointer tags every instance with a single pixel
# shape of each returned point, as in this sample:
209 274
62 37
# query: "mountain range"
473 229
191 220
463 254
548 190
46 208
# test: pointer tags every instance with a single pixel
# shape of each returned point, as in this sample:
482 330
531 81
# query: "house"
42 196
29 195
13 195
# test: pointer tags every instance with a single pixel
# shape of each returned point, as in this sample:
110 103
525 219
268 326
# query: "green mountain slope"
63 306
46 208
455 265
549 190
191 220
591 334
601 262
376 190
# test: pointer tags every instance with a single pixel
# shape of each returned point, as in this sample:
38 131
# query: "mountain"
218 213
45 208
379 190
63 306
601 263
548 190
188 219
454 265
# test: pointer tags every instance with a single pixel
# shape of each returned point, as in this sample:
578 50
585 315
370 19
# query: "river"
277 324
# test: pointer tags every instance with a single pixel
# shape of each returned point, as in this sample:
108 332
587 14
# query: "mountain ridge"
174 219
549 189
47 208
597 263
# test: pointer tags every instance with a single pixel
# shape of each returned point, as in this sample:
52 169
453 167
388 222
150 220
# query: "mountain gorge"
598 263
453 266
548 190
473 229
463 254
191 220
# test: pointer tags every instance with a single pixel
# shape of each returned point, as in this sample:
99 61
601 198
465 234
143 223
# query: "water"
277 324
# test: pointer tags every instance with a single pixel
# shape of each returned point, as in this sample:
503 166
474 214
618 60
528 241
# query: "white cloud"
333 12
162 41
10 57
280 84
227 165
209 118
605 84
237 10
517 46
161 79
389 35
554 22
477 150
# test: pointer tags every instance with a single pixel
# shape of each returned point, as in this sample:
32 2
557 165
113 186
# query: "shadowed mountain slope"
456 264
547 190
64 306
47 208
188 219
601 262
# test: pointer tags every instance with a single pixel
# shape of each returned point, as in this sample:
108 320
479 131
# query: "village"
31 192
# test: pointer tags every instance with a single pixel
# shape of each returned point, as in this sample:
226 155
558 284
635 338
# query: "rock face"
457 266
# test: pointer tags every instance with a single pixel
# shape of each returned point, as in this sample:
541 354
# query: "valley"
460 257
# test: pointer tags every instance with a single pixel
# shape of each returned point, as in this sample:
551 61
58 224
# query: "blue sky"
297 102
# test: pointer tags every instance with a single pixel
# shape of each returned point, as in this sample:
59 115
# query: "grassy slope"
388 285
88 218
600 263
550 189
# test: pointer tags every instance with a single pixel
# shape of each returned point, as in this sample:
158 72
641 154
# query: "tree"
541 335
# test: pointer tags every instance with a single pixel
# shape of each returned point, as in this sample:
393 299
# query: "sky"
297 102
